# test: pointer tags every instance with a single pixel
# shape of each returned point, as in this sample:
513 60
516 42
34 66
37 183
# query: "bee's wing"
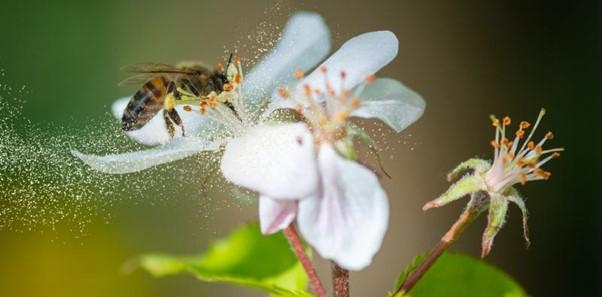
145 72
137 79
152 68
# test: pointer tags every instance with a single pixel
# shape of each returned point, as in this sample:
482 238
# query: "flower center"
328 111
512 164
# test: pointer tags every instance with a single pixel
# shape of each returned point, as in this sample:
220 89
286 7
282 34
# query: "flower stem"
465 219
340 280
293 238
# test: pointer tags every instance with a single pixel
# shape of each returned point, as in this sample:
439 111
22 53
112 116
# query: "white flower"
305 42
340 207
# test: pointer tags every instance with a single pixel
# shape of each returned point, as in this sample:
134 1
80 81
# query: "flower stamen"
512 165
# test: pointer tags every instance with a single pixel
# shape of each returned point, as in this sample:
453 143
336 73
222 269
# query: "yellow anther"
323 69
342 116
237 78
307 89
549 135
228 87
507 121
495 144
555 155
187 108
283 92
524 125
298 73
322 120
236 60
370 79
520 133
542 173
355 103
494 121
210 101
299 108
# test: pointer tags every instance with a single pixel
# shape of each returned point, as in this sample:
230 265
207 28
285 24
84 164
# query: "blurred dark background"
468 59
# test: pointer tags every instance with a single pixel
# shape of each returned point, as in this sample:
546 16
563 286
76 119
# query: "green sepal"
478 165
345 147
466 185
514 197
498 207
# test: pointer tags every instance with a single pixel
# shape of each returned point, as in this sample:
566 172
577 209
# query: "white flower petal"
359 57
348 221
392 102
155 131
305 42
118 107
275 215
276 161
140 160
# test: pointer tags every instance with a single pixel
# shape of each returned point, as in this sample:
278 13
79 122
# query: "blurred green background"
467 58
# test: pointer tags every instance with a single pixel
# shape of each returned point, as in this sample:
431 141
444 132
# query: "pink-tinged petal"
275 215
392 102
276 161
359 57
155 131
346 223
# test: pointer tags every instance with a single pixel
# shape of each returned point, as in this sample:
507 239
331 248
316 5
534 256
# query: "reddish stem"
465 219
293 238
340 281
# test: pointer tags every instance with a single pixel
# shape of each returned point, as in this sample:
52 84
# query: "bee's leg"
175 117
171 130
227 97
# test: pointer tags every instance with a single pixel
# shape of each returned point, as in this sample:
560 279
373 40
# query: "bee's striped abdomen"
145 104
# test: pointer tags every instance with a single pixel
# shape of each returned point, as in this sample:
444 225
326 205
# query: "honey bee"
164 87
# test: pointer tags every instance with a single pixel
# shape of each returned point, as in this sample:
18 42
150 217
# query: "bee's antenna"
229 60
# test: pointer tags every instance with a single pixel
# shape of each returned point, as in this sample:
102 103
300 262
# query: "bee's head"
220 79
221 75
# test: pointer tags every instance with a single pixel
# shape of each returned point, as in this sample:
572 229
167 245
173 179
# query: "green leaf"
456 275
245 257
413 265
